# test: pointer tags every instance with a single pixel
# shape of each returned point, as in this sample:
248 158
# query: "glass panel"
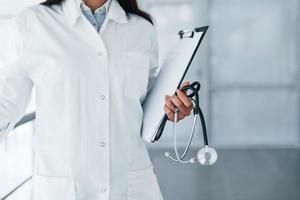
16 157
253 41
255 118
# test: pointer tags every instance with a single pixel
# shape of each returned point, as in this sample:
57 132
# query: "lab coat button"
102 97
103 190
102 144
100 53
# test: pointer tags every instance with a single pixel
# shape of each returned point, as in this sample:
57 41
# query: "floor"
237 175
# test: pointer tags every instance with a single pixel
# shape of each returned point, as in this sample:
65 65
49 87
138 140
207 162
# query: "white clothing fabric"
89 91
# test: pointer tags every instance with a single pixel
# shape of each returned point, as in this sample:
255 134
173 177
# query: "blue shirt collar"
72 11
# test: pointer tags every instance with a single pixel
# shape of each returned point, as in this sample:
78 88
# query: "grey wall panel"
251 118
253 41
254 73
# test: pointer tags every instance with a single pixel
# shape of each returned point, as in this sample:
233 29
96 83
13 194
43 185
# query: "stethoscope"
206 155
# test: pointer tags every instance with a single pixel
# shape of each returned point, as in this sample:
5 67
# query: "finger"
180 105
180 116
169 103
186 101
169 113
185 84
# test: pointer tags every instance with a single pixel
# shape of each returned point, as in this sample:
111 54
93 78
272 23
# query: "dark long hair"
130 6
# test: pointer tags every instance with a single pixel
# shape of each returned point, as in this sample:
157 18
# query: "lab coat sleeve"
15 85
154 60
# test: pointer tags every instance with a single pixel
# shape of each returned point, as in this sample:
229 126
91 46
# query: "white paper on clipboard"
171 74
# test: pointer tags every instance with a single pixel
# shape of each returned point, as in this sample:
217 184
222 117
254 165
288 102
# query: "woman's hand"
182 102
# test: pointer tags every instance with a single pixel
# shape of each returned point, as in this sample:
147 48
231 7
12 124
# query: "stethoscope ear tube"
195 88
203 125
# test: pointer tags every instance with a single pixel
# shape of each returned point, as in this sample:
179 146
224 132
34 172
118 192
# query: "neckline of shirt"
105 7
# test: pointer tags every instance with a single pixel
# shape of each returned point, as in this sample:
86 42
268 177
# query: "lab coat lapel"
115 13
80 24
72 11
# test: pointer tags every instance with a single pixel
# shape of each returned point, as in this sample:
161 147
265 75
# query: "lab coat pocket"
142 184
136 75
51 187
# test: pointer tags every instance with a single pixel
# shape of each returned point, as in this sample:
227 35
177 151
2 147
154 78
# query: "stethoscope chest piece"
207 156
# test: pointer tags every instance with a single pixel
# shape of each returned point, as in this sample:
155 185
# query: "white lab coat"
89 90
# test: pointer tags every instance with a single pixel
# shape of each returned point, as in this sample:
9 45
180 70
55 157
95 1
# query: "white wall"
10 7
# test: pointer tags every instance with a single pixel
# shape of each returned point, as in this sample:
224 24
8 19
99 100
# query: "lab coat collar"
72 11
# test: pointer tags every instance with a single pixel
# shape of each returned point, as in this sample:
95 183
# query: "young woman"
92 63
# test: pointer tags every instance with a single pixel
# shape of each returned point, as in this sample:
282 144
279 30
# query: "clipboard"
170 78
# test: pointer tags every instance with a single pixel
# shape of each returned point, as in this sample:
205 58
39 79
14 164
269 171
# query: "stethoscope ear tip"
207 156
193 160
167 154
